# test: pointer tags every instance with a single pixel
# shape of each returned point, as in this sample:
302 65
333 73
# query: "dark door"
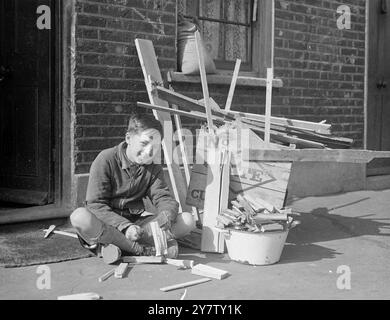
25 104
378 103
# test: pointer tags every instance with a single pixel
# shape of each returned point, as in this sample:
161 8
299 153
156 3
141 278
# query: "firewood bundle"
248 214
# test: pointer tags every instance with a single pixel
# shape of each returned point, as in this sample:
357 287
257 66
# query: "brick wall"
322 67
109 78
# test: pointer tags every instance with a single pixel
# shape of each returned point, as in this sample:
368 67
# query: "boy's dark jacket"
117 186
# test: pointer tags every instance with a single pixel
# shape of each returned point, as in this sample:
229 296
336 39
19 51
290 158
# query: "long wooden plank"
328 155
143 259
151 71
317 127
212 240
184 156
268 104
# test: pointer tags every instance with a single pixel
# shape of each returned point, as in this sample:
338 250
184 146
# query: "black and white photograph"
194 154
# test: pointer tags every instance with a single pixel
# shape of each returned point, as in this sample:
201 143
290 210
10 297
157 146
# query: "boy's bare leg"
94 231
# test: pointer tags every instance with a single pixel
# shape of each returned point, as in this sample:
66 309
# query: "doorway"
27 104
378 94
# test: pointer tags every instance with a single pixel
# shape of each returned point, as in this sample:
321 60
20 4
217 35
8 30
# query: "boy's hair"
139 122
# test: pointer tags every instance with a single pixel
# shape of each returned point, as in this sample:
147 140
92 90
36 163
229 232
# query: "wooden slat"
143 259
212 241
328 155
224 78
202 70
151 71
317 127
185 284
268 104
233 85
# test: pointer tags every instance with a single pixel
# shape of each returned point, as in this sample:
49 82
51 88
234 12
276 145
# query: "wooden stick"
106 275
80 296
202 71
143 259
272 216
185 284
64 233
308 125
254 15
268 100
187 264
233 85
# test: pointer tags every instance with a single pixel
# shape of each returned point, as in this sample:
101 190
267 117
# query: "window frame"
262 34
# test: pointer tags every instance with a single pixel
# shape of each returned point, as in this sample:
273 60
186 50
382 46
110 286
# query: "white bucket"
260 248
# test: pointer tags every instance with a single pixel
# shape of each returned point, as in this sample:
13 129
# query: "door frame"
64 102
366 86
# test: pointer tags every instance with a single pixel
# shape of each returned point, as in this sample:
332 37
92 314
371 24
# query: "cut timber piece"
80 296
186 264
143 259
314 126
106 275
212 240
210 272
111 253
273 216
272 227
151 71
189 104
185 284
302 155
259 203
225 177
121 270
160 239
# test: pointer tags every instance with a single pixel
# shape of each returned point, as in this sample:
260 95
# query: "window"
231 30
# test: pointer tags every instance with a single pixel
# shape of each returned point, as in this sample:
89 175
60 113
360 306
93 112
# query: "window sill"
221 78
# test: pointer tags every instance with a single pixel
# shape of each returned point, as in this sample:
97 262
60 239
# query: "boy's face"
143 147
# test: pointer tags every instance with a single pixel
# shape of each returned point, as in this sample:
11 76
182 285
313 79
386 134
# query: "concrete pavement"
339 233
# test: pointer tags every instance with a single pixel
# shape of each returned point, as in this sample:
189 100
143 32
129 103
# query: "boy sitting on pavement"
119 179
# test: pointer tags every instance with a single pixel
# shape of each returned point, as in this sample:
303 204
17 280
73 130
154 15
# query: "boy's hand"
133 232
164 220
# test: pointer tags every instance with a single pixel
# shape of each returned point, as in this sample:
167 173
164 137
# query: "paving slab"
339 234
